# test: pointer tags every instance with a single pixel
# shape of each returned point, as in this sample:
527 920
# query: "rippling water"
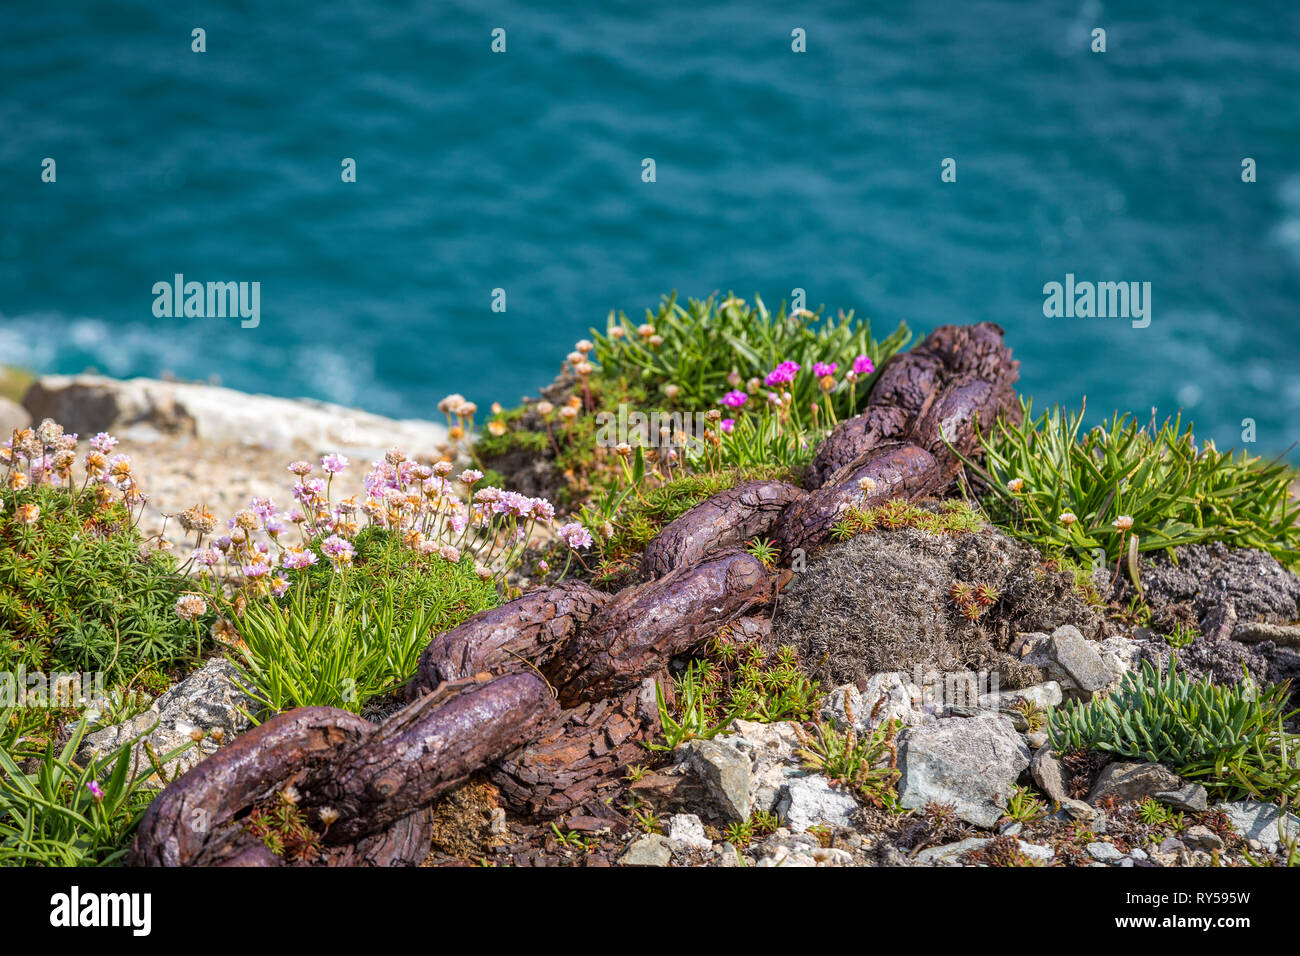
775 170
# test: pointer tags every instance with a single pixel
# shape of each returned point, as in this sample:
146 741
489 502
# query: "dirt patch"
469 821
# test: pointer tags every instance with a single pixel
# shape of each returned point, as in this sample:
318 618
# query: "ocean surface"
775 170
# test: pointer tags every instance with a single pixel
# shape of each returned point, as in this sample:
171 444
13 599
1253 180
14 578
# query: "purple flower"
279 584
95 790
334 463
264 508
339 550
735 399
296 557
575 535
863 365
728 424
821 369
783 374
103 443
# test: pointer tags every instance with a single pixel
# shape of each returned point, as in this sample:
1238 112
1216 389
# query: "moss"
891 600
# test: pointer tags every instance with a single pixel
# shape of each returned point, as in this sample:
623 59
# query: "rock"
1138 853
1191 797
1035 851
90 403
772 751
652 849
1202 838
1284 635
949 853
1121 655
800 849
1044 695
725 770
1104 852
208 701
1260 821
972 763
1037 740
12 416
1133 782
814 856
1077 663
811 801
901 702
686 832
1220 587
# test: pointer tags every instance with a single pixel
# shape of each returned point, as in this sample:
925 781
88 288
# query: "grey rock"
786 849
949 853
1036 852
1084 670
1048 773
652 849
972 763
1138 853
725 771
91 403
1104 852
1036 740
772 752
1260 821
811 801
1191 797
208 701
898 696
1252 632
1203 838
1044 695
686 832
1125 862
1131 782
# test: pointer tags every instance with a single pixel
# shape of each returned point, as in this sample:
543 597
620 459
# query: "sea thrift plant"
418 505
80 588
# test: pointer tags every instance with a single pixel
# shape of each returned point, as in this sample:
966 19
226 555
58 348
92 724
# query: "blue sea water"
775 170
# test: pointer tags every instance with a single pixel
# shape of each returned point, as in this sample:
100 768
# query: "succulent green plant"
1232 739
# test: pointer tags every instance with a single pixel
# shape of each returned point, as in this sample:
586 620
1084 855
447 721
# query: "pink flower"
728 424
279 585
821 369
863 365
783 374
334 463
735 399
297 557
103 443
339 550
575 535
469 476
95 790
300 468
